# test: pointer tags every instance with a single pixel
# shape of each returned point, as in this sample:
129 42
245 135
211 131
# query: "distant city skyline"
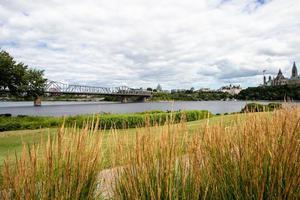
141 43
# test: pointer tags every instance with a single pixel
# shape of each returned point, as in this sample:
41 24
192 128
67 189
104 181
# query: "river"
63 108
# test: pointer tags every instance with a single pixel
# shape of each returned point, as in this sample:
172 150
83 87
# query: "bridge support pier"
37 101
124 99
142 99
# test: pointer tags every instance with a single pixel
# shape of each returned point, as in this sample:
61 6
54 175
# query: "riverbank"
60 109
229 158
107 120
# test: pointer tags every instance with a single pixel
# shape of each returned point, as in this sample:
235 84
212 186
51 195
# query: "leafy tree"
18 82
18 79
35 83
6 67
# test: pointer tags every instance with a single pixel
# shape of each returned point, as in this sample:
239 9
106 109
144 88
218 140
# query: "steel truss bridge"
53 87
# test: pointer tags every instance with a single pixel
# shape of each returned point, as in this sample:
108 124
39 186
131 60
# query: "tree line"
18 79
191 95
283 92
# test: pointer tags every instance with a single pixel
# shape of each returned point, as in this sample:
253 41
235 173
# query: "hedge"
106 121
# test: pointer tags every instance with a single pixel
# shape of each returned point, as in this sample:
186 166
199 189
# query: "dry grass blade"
65 167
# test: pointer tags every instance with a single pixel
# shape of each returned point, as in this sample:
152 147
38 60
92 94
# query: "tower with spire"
294 71
281 80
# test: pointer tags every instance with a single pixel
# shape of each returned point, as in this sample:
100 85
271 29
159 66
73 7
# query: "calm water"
74 108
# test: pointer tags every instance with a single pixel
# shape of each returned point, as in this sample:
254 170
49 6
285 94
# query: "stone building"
281 80
231 89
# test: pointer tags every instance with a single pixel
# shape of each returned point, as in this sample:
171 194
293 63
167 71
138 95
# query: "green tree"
11 74
18 79
35 82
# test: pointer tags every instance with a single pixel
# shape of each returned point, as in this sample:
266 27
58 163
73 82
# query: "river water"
62 108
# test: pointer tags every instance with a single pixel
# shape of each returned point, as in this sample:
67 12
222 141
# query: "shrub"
6 115
255 107
107 121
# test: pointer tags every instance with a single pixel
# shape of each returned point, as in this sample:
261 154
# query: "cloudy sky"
140 43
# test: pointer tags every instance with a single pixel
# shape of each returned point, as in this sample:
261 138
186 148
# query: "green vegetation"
107 121
12 141
256 107
284 92
190 95
18 79
255 156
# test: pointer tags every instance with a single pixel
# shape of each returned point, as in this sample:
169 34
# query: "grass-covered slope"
249 156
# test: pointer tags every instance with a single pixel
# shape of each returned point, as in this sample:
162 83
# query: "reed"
63 167
257 157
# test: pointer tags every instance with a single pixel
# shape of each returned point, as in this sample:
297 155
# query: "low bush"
151 112
256 107
106 121
5 115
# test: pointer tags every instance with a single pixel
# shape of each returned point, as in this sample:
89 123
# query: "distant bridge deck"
53 87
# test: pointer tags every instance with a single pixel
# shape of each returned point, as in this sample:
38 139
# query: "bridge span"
124 92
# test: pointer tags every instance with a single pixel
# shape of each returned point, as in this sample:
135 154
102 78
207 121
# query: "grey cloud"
142 43
227 71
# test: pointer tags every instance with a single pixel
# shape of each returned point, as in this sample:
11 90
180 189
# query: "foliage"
18 79
35 83
256 107
191 95
284 92
107 121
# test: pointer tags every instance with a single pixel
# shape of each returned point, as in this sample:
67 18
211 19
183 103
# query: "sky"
140 43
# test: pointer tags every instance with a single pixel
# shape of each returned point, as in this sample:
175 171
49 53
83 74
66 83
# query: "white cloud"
176 43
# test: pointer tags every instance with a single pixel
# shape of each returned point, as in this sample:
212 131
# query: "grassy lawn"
13 141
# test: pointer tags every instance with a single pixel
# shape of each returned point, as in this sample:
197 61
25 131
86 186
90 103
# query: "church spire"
294 71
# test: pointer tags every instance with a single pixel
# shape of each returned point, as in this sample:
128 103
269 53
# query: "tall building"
281 80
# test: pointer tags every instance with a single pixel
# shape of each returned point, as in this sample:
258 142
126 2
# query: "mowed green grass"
11 142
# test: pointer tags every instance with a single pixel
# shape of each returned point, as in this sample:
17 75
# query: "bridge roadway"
124 92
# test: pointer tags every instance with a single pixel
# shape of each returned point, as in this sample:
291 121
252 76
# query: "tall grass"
64 167
256 156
